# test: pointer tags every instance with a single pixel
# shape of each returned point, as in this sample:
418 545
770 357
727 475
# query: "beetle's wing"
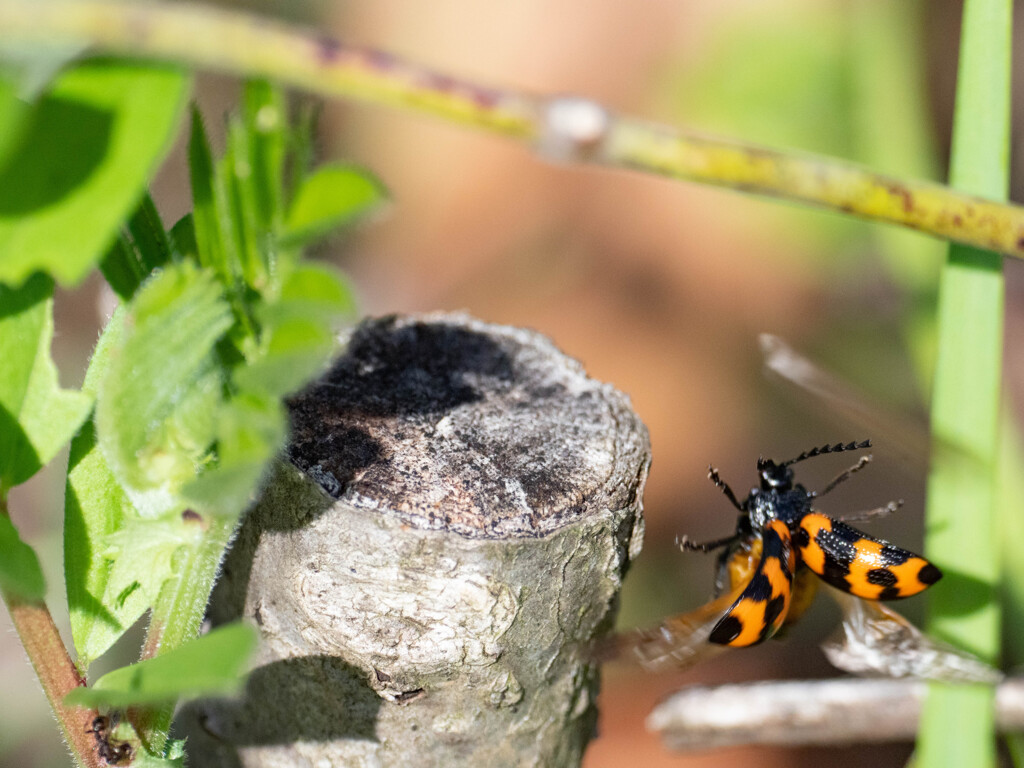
761 608
860 564
681 641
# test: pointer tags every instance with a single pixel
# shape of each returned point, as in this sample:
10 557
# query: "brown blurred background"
658 287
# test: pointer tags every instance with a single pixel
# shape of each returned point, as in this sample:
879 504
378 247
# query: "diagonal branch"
561 129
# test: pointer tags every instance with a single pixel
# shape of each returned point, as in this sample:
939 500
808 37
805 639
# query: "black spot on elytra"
929 574
835 574
883 577
894 555
772 612
759 589
727 630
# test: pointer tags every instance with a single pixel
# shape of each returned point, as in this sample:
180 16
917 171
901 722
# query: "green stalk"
176 617
957 727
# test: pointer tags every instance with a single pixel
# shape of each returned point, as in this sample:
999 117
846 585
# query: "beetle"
768 570
780 513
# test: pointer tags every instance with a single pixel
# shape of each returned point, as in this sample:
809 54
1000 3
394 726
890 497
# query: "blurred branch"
561 129
797 713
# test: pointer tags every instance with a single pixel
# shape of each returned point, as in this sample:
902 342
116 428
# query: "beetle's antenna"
837 448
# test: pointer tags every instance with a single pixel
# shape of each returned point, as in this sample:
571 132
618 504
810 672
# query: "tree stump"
430 567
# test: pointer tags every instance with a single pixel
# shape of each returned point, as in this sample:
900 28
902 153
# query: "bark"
841 711
429 570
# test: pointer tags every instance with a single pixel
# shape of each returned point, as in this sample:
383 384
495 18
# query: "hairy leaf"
155 412
95 507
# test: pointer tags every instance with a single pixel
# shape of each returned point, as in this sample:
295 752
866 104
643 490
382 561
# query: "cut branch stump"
430 568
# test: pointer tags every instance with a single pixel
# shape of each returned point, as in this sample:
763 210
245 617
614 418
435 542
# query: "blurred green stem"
565 130
957 726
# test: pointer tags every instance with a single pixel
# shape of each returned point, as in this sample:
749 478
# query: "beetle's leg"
707 546
863 462
867 514
724 487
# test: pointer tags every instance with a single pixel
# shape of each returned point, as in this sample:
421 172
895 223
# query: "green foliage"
88 150
209 665
20 574
221 318
157 402
37 417
958 722
332 196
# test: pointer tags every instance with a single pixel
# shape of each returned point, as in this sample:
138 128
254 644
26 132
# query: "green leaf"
95 507
136 253
267 123
20 574
145 760
13 113
210 665
299 330
37 417
331 197
122 268
88 150
155 413
207 225
142 555
251 430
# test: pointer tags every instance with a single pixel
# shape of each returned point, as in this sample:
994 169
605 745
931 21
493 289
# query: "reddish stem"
57 674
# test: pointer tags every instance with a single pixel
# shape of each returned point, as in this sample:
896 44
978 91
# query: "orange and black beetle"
779 530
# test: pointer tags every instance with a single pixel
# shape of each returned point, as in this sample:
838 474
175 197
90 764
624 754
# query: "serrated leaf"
330 197
145 760
157 400
88 150
210 665
37 417
20 573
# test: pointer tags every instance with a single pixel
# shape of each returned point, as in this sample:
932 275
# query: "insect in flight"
767 571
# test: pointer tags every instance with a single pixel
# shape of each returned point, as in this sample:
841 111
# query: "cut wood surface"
430 568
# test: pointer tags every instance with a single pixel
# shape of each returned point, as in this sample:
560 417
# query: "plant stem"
56 671
176 617
958 722
247 45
